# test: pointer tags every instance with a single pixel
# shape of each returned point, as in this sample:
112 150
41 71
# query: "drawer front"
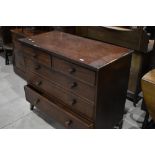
70 84
73 70
35 54
19 60
68 119
72 101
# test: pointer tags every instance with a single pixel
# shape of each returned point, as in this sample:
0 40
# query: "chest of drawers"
79 82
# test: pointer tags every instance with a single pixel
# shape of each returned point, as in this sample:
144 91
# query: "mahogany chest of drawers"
79 82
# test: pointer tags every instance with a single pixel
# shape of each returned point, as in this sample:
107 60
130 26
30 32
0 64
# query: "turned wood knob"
38 83
68 123
72 102
37 67
36 101
72 70
73 85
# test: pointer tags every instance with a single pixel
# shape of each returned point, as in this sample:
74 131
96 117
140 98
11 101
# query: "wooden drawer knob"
73 85
72 70
72 102
38 83
68 123
36 101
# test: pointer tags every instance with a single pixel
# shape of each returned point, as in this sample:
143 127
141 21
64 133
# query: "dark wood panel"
111 93
18 58
63 116
136 39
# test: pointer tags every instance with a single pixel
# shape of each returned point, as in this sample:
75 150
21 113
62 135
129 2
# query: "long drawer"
73 70
72 101
70 84
66 118
35 54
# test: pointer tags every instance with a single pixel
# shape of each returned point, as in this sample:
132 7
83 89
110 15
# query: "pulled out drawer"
56 111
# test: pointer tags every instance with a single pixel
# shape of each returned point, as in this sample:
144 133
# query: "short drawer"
73 70
72 101
69 84
35 54
62 115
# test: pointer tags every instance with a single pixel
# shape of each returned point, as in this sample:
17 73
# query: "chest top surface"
94 54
